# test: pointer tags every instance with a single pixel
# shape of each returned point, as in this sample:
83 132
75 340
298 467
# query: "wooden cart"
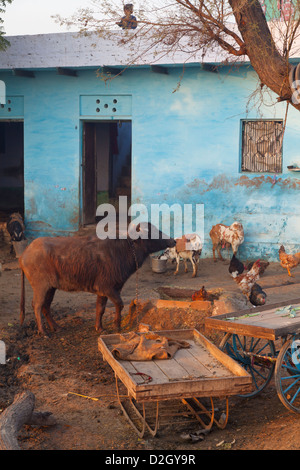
200 371
251 339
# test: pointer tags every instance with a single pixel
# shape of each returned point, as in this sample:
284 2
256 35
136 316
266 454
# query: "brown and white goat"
223 235
188 247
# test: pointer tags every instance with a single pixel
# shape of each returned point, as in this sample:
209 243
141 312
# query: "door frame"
83 121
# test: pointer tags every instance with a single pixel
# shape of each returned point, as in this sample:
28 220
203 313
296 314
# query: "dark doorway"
106 165
11 167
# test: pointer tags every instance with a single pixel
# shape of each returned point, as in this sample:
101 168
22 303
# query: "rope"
137 279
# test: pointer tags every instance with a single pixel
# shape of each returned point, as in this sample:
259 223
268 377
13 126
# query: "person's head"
128 8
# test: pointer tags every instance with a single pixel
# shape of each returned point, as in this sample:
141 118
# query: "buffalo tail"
22 303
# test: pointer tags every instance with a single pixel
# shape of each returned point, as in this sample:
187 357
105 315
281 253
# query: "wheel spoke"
258 372
244 349
262 348
297 378
287 377
290 368
295 396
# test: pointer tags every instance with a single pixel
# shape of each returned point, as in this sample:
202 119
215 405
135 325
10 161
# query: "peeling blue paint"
185 149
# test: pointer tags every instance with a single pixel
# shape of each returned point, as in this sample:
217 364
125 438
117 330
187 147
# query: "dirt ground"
60 368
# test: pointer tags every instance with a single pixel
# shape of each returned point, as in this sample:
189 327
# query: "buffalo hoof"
100 329
43 334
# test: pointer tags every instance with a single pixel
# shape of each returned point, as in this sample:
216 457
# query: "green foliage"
3 42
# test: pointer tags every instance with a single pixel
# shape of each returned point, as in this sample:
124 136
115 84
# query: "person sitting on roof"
128 21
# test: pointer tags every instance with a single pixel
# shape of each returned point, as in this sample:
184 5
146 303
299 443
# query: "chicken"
288 261
246 281
257 295
263 266
236 267
200 294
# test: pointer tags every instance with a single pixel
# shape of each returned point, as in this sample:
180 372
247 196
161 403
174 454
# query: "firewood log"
20 412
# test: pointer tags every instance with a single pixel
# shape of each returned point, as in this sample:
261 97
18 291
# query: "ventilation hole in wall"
2 106
9 110
8 101
114 110
106 106
115 101
97 101
98 110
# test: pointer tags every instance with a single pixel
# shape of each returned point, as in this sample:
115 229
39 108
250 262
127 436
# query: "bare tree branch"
237 27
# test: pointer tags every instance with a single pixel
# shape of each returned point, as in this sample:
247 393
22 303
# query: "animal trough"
192 374
173 307
185 295
183 298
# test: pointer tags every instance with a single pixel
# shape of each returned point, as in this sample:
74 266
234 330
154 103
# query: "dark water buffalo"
85 264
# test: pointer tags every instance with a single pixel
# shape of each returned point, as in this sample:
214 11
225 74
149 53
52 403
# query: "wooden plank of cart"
251 339
201 370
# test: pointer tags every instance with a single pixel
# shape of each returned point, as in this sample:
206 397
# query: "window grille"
262 146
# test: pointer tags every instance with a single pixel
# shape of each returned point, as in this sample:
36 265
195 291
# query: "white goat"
188 247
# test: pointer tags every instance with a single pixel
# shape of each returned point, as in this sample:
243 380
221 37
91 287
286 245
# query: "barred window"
262 146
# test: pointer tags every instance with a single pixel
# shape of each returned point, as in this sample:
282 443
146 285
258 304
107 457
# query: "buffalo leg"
38 302
100 309
118 303
46 309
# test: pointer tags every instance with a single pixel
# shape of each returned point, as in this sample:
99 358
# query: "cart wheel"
256 355
287 374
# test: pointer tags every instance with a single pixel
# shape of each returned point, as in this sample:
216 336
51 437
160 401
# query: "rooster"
288 261
200 294
236 266
246 281
263 266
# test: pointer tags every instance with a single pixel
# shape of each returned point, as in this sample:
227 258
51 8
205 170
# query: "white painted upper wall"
73 50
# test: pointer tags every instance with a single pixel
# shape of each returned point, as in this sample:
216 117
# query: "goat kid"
188 247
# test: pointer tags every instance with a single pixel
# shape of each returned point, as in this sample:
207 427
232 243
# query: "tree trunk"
271 67
19 413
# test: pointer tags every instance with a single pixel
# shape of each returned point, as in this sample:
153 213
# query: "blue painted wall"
185 149
193 156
